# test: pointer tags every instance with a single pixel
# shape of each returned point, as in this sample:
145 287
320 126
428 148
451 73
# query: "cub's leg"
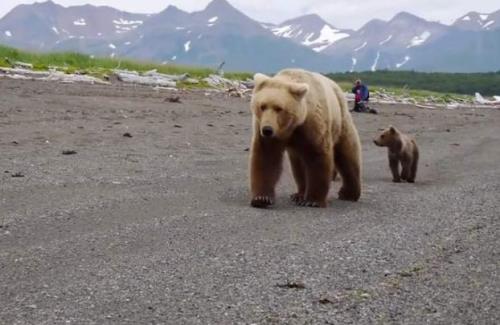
394 164
405 171
414 166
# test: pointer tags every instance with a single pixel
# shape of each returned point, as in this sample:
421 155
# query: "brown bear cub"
305 115
402 149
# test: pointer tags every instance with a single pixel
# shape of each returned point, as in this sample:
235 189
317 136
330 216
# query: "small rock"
292 285
178 126
69 152
127 135
174 99
18 175
325 301
247 149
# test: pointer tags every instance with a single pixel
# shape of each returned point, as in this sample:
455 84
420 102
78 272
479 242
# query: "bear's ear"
298 90
259 79
392 129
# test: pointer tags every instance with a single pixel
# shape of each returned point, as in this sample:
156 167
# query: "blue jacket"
364 92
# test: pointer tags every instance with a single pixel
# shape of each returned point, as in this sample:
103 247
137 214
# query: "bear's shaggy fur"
402 150
306 115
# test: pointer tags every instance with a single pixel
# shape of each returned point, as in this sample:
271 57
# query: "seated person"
361 98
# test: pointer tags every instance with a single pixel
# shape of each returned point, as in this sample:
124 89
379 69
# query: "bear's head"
278 106
387 138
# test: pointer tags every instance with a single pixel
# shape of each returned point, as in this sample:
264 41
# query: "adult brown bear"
306 115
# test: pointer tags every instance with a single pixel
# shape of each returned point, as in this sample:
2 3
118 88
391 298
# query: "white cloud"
341 13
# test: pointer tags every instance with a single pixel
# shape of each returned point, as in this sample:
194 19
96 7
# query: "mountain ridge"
220 32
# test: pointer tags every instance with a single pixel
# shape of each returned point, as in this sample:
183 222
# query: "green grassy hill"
459 83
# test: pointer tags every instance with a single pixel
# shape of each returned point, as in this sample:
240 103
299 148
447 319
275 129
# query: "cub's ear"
392 129
298 90
259 79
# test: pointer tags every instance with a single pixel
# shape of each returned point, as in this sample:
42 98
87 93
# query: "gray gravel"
157 228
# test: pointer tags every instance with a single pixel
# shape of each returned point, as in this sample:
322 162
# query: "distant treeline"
459 83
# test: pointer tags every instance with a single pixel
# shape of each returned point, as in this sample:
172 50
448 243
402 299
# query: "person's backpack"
365 93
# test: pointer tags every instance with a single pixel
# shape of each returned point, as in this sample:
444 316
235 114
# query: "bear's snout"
267 131
376 142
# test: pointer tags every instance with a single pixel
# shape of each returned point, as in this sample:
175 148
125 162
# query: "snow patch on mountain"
285 31
354 62
361 47
386 40
420 39
483 16
406 59
488 24
54 28
8 33
112 46
375 63
213 19
80 22
122 21
327 37
187 46
466 18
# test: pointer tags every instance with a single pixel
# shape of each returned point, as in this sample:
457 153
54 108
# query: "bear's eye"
382 136
278 109
263 107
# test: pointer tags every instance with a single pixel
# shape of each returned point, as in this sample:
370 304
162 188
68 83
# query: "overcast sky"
341 13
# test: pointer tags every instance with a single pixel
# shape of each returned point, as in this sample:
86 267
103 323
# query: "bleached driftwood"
155 79
173 77
16 73
73 78
19 64
218 81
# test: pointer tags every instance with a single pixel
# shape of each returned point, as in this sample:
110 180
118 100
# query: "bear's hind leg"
414 166
266 160
405 171
348 164
299 174
319 170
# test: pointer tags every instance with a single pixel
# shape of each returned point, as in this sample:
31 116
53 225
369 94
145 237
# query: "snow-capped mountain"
311 31
42 26
216 34
386 45
222 33
477 22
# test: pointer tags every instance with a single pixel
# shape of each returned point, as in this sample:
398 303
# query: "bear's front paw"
262 201
311 204
297 198
396 180
349 194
